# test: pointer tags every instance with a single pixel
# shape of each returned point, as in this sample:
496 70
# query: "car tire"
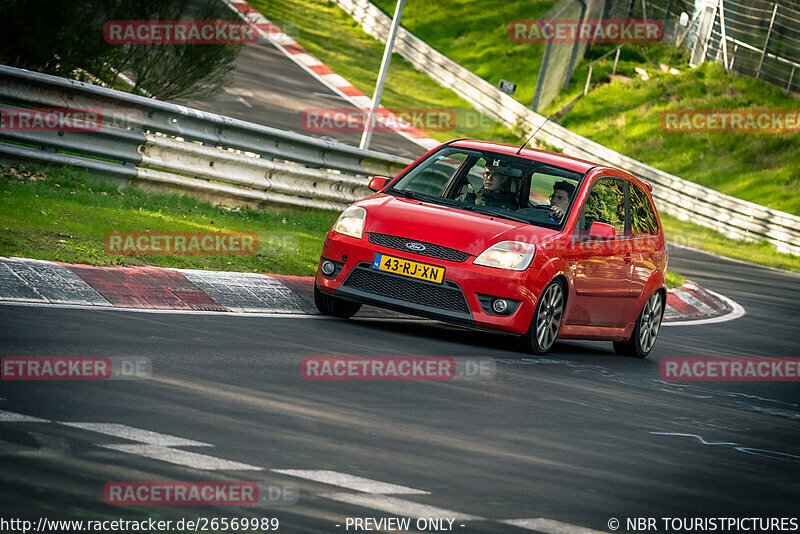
547 319
334 306
648 323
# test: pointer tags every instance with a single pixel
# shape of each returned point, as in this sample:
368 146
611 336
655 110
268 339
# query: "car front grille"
431 250
446 296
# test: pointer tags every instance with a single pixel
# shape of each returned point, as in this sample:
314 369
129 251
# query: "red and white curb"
26 281
292 49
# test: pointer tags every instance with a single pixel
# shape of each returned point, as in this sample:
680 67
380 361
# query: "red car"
514 240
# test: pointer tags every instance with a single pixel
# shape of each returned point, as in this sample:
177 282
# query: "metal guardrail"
681 198
175 147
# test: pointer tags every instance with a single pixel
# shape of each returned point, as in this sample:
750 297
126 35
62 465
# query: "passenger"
495 190
559 200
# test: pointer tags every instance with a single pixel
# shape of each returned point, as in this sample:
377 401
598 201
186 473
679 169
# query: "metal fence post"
724 37
575 47
766 41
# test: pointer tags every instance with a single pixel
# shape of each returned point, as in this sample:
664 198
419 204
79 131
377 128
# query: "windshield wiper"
406 194
484 211
422 197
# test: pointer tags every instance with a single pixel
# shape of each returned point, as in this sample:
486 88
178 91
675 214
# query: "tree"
65 38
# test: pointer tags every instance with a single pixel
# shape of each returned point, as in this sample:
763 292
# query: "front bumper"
454 300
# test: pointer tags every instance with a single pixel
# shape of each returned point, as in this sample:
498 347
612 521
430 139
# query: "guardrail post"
588 79
766 41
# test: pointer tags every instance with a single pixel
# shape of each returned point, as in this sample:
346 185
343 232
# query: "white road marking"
352 482
549 526
11 417
137 434
400 507
184 458
775 455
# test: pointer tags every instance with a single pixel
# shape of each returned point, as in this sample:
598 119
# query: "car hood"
444 225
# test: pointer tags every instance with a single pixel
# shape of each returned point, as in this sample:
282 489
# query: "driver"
495 190
559 200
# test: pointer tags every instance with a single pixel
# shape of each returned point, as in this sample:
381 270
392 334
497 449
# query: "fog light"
500 305
328 267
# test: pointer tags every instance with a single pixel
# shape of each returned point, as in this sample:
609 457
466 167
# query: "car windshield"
495 184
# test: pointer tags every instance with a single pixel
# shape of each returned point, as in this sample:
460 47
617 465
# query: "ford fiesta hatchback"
515 240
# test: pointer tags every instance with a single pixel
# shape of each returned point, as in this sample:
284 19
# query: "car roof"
559 160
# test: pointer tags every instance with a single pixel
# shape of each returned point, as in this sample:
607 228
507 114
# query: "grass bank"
60 214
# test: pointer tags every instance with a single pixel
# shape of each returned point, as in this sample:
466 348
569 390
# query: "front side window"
496 184
605 204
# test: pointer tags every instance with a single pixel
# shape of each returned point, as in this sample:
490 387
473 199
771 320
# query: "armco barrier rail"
178 148
731 216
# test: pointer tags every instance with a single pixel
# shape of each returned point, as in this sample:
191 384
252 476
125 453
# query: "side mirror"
602 230
378 183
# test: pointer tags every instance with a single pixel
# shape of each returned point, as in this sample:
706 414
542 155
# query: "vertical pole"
724 33
733 57
669 8
616 60
791 78
542 72
575 47
766 41
588 79
644 9
366 137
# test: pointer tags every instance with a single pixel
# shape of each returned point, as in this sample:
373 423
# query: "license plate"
412 269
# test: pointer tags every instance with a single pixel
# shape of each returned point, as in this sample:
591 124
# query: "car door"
601 266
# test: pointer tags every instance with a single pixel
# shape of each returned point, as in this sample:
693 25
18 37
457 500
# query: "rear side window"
606 204
643 218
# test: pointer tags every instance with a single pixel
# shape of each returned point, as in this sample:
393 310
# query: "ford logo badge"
416 247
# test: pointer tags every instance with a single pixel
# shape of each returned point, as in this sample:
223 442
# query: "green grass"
61 214
474 34
625 116
337 40
674 279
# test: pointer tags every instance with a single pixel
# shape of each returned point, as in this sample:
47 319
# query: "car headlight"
351 222
512 255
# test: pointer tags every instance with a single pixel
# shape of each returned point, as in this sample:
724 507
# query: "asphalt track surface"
269 89
579 437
